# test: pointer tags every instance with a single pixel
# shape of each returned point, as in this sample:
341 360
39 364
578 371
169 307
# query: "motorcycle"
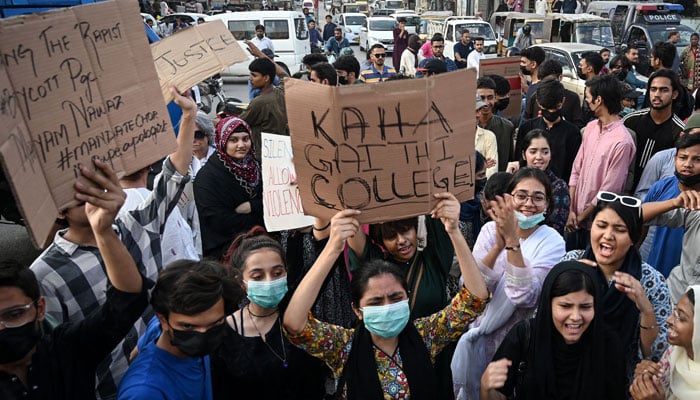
211 92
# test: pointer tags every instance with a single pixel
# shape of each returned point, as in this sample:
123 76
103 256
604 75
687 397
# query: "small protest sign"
195 54
383 148
509 68
76 84
281 198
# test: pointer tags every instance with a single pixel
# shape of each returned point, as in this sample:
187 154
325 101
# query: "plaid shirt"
73 279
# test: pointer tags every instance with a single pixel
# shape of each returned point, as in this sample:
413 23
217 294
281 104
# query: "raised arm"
103 198
343 226
689 199
182 157
447 209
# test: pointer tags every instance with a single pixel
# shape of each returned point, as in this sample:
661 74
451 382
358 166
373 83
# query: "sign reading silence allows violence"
383 148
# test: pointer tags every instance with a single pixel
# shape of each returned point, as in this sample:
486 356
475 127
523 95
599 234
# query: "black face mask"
688 181
551 116
502 104
621 75
479 185
343 80
15 343
197 344
525 71
580 73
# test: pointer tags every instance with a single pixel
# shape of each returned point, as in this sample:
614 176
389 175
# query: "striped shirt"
372 75
73 280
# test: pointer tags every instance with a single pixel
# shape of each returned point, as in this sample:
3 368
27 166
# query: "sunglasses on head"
627 201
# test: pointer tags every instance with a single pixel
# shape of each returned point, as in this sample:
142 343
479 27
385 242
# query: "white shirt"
264 43
486 144
473 60
540 7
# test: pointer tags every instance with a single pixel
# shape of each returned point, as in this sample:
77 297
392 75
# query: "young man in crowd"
437 46
531 59
655 128
328 28
590 65
474 58
571 110
463 48
191 300
378 71
348 70
323 73
71 271
486 119
564 137
62 364
336 43
682 211
602 161
261 41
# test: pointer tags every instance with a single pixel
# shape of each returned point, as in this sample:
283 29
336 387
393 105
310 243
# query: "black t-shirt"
651 137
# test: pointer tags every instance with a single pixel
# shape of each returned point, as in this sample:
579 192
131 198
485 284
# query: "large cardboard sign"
194 54
509 68
76 84
383 148
282 205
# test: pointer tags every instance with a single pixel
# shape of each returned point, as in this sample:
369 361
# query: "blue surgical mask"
527 222
267 294
386 321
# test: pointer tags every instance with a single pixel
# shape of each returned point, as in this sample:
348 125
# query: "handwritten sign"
76 84
383 148
281 198
195 54
509 68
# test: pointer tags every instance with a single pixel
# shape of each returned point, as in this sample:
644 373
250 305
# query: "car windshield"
537 28
393 4
477 30
595 33
411 21
660 33
354 20
381 25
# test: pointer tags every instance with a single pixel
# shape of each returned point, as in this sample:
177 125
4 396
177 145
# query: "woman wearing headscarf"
409 57
565 352
228 189
636 299
677 375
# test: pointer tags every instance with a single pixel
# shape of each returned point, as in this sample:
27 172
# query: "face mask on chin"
688 181
524 70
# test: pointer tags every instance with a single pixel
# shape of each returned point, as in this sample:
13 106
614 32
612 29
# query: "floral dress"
332 343
690 68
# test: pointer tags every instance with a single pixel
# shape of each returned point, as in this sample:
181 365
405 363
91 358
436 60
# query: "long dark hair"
541 176
369 270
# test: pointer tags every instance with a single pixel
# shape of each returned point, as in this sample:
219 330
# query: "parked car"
451 29
377 30
412 20
569 56
166 24
578 28
351 23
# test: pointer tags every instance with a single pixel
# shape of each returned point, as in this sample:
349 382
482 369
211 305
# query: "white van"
286 29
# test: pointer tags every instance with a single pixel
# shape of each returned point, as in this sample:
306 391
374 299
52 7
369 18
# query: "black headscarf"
360 371
590 369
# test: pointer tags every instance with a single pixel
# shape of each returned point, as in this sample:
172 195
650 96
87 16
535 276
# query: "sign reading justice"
76 84
383 148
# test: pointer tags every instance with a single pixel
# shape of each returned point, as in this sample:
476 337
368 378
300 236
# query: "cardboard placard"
76 83
509 68
195 54
282 207
383 148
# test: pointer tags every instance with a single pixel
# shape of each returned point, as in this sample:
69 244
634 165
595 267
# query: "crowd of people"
534 289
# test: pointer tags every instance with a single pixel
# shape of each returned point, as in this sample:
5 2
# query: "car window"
382 25
448 34
659 33
480 30
243 29
355 20
276 28
562 59
300 28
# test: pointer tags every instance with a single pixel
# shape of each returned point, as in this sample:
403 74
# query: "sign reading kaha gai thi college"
194 54
76 84
282 207
383 148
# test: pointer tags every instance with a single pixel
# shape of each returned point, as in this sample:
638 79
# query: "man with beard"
437 45
501 127
336 43
655 128
683 211
564 137
62 364
377 71
602 160
463 48
348 70
261 41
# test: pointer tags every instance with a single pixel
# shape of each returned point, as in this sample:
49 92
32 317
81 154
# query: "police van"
624 14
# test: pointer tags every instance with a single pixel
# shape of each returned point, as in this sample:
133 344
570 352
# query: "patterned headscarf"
247 171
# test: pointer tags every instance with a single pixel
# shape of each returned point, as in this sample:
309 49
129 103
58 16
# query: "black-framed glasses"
520 198
610 197
380 55
15 316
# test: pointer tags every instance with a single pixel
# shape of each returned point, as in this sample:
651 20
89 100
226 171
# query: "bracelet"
648 327
321 229
514 248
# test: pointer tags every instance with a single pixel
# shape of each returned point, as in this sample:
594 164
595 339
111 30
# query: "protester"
565 352
571 109
336 43
260 40
385 355
190 299
437 46
256 361
514 253
328 28
228 189
377 71
677 375
61 364
636 299
475 57
348 70
690 65
315 37
470 211
486 119
400 41
463 48
409 57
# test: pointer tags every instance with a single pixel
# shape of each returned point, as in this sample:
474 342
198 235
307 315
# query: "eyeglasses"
380 55
610 197
15 317
677 316
537 199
